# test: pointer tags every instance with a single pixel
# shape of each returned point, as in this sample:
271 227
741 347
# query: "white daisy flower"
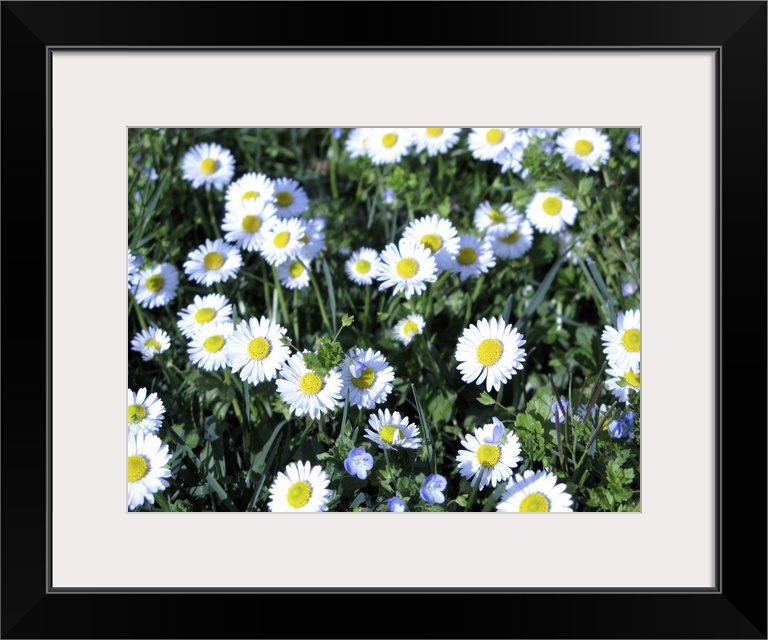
511 241
490 352
485 143
313 240
207 348
301 488
367 376
434 139
474 258
290 198
409 327
549 212
392 431
210 308
213 261
386 146
438 235
630 378
363 266
145 412
257 187
488 217
282 240
622 343
149 342
156 286
535 492
584 149
208 164
245 223
489 455
408 266
305 391
255 350
294 274
357 143
148 458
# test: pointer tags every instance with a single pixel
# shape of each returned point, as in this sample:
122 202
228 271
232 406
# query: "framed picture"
689 77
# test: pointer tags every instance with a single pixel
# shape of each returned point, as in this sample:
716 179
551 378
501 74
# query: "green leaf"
486 399
347 320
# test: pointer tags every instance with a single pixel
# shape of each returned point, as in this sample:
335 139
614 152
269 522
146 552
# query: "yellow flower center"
389 140
489 352
410 327
407 268
497 216
494 136
552 206
204 315
434 132
251 224
632 378
432 242
362 266
282 239
535 502
152 344
299 494
258 348
250 195
137 468
213 260
284 198
488 455
388 432
311 383
136 413
155 283
467 255
631 340
511 238
366 379
213 344
296 269
583 147
208 166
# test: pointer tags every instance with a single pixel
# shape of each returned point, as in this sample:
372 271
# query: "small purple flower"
557 410
389 196
624 427
336 132
498 431
151 173
396 505
358 463
633 142
432 489
628 288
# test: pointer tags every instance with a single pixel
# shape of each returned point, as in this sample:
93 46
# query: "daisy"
149 342
255 187
395 505
432 489
584 149
301 488
408 266
148 458
290 198
392 431
474 258
211 308
208 164
293 274
532 492
511 241
409 327
367 377
245 223
438 235
622 344
490 352
386 146
631 382
145 412
156 286
363 265
489 455
207 349
313 239
255 350
549 212
305 391
434 139
282 240
485 144
357 142
488 217
358 463
213 261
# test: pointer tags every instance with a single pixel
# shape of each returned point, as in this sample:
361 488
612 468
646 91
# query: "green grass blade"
604 291
425 429
331 294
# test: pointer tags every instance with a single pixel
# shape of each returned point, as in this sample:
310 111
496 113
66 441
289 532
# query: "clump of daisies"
621 345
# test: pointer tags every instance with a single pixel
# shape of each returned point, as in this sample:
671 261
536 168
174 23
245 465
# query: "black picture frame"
735 609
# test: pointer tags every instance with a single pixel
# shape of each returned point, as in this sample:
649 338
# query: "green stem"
320 302
265 281
472 494
366 311
139 314
281 297
295 316
334 156
212 215
235 403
